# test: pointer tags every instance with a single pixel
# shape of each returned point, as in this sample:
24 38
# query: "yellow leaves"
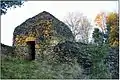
100 20
21 40
112 21
37 46
24 37
113 29
112 15
112 18
44 30
16 39
49 22
30 39
46 33
31 35
17 36
115 43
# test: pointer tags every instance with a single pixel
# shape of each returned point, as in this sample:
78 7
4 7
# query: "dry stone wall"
44 29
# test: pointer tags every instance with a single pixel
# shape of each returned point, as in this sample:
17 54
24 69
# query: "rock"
6 50
68 51
44 29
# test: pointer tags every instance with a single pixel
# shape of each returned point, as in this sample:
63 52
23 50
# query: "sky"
60 9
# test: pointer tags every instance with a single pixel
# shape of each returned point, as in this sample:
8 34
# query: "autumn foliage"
113 23
109 21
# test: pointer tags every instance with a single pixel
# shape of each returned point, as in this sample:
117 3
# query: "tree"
100 21
113 40
98 36
111 36
113 22
5 4
79 25
110 27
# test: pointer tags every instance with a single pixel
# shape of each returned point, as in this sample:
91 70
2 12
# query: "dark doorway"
31 49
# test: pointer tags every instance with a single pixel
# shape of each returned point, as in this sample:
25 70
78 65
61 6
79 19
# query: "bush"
112 61
98 56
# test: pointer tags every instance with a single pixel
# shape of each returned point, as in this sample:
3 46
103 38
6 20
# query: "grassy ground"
21 69
15 68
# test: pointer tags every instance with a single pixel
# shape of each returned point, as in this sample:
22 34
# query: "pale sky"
59 9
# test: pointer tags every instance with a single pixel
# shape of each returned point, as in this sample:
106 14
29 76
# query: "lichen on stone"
44 29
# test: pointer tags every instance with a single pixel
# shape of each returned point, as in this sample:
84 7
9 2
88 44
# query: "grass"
14 68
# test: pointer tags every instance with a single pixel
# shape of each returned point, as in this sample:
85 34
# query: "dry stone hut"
39 32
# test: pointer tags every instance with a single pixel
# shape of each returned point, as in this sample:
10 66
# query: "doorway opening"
31 49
